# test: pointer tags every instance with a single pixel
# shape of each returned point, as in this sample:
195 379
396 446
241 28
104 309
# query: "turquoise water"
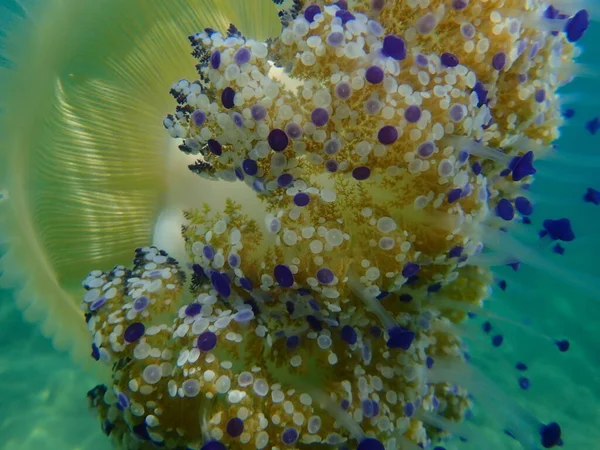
42 392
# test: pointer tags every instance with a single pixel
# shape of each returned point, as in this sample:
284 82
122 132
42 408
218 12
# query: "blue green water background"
42 392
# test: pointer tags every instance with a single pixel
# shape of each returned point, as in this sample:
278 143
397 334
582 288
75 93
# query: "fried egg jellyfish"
99 177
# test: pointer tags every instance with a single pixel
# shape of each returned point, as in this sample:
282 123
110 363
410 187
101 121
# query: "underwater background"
42 391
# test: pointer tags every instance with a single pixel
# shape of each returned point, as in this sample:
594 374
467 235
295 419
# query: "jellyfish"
326 201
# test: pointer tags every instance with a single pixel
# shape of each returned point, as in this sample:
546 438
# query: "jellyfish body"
391 159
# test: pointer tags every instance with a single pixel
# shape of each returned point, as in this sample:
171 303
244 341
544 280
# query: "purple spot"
220 283
193 309
410 269
505 210
361 173
499 61
400 337
311 12
242 56
283 275
387 135
374 75
134 332
215 59
227 97
412 114
319 116
215 147
278 140
325 276
206 341
301 199
140 303
258 112
198 117
293 130
394 47
285 179
235 427
250 167
449 59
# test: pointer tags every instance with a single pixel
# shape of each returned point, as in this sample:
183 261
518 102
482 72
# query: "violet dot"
343 90
426 24
206 341
349 334
377 5
524 206
454 195
374 75
239 174
540 95
346 16
335 39
301 199
140 303
422 60
99 303
410 269
242 56
387 135
258 112
289 436
215 59
459 5
311 12
425 150
213 445
367 407
325 275
499 61
198 117
283 275
394 47
331 165
278 140
293 130
238 119
235 427
457 112
134 332
227 97
123 400
319 116
412 114
215 147
220 283
250 167
505 210
361 173
193 309
292 342
285 179
449 60
208 252
246 284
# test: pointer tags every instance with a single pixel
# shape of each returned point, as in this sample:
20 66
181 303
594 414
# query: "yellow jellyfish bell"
84 174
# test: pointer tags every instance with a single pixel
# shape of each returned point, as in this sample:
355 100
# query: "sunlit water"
42 392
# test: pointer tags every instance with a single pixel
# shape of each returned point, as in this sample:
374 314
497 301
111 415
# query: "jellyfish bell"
87 170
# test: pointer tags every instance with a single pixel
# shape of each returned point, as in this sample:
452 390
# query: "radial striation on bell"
391 156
